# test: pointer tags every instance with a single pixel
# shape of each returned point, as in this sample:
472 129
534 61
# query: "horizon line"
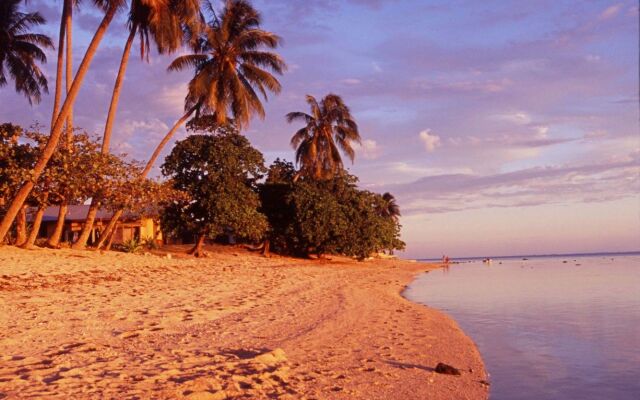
603 253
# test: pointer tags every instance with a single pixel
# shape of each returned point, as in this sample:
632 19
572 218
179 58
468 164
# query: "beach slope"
81 324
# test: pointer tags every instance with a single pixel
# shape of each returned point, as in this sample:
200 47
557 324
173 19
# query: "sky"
502 127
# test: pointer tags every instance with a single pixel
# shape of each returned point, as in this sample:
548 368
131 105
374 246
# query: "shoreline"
236 324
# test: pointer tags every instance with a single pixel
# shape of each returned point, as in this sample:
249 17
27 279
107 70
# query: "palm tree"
328 128
65 51
230 66
110 8
20 49
390 208
162 21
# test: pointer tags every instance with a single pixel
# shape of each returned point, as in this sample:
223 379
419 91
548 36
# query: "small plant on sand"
150 243
132 246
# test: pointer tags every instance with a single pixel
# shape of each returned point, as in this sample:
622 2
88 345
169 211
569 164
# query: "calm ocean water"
561 327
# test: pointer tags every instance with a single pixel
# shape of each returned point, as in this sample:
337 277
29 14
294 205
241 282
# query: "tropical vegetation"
21 49
329 128
214 183
219 174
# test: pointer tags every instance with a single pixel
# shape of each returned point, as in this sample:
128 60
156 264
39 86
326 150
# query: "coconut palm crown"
329 128
163 20
390 208
232 66
20 49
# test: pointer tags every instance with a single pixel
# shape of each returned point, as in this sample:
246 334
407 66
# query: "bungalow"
131 226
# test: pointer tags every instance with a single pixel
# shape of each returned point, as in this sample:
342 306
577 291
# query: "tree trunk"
115 97
156 153
197 249
60 64
109 229
54 240
21 226
111 235
82 240
69 68
165 140
266 248
84 235
56 131
35 228
106 138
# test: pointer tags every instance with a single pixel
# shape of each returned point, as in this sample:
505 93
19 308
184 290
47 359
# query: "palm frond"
20 50
298 115
191 60
264 59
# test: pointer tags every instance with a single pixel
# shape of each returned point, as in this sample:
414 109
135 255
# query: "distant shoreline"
604 254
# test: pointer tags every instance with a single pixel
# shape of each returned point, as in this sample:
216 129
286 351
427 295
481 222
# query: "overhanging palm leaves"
20 50
231 66
329 129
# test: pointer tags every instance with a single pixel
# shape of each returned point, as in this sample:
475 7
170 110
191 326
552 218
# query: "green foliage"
76 172
149 242
131 246
218 174
275 203
330 216
319 219
16 161
369 231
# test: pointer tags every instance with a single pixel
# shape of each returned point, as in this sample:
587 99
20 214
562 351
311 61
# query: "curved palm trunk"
86 228
143 175
106 138
54 240
165 140
109 229
21 226
108 246
56 131
69 67
35 228
60 64
115 98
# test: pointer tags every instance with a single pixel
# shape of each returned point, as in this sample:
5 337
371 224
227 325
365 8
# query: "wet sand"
81 324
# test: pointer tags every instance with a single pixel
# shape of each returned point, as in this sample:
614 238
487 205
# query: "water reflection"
546 328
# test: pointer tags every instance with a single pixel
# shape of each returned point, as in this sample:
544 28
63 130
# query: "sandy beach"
81 324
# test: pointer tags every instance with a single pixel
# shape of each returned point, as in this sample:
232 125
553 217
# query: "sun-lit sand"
79 325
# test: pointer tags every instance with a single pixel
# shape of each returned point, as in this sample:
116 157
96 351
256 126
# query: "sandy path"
85 325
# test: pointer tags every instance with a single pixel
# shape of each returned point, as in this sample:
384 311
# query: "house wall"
151 229
125 231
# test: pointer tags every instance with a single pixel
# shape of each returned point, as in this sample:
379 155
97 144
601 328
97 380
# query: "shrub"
150 243
331 216
131 246
218 173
